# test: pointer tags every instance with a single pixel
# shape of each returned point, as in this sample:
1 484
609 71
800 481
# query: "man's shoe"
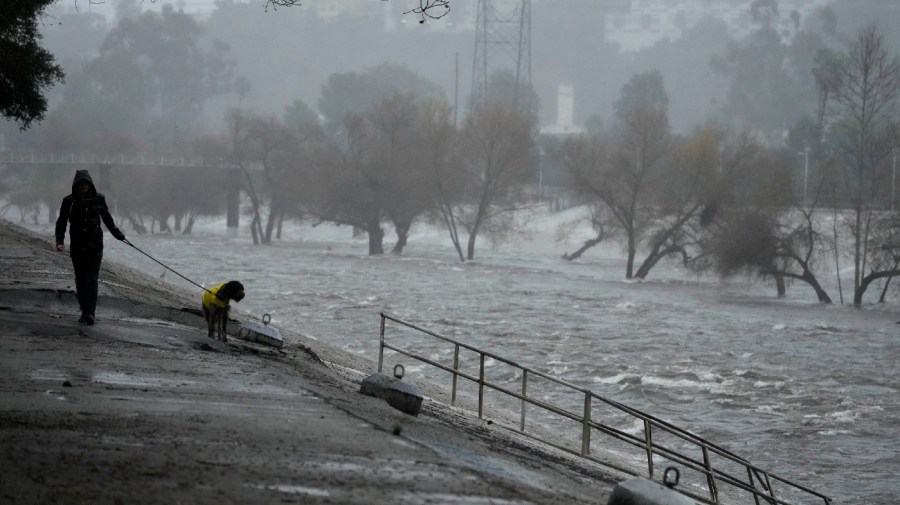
89 319
83 318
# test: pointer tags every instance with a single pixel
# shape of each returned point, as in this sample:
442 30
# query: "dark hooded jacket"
84 215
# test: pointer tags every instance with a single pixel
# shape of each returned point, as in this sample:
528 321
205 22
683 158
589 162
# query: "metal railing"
710 465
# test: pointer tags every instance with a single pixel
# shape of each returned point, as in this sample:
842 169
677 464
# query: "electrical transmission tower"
502 43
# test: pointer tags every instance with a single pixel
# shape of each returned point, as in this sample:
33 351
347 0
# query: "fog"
287 54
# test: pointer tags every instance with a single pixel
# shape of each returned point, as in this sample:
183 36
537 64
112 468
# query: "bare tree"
497 149
863 114
756 224
585 159
393 121
598 223
262 148
346 185
624 175
886 255
437 140
769 243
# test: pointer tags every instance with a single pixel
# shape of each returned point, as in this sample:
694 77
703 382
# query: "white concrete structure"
565 113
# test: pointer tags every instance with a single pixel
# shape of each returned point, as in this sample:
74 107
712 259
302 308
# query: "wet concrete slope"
143 408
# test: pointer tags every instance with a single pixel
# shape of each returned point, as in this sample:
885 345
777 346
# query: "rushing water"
807 391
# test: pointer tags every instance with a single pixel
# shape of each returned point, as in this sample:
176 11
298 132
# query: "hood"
83 176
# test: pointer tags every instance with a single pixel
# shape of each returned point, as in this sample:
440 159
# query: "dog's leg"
217 322
225 311
210 321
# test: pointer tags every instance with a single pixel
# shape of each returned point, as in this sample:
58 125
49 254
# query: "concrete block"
261 332
403 396
640 491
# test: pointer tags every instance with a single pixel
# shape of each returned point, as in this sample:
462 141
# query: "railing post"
648 439
752 485
769 486
524 403
710 478
455 377
586 429
381 345
481 387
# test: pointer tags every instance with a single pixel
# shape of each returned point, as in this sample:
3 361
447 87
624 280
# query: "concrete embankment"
144 408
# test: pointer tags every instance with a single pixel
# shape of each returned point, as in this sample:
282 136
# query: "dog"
216 304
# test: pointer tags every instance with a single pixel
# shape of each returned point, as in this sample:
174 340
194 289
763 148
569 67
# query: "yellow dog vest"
211 297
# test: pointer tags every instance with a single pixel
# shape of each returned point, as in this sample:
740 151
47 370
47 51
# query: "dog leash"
168 267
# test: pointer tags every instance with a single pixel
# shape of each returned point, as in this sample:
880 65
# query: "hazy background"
593 45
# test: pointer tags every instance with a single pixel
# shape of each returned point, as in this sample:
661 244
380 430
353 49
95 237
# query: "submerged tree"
864 122
626 176
437 141
496 150
265 151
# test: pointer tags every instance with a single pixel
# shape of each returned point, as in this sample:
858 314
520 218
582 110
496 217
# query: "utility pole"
502 42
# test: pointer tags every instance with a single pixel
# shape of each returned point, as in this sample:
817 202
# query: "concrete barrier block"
403 396
255 331
639 491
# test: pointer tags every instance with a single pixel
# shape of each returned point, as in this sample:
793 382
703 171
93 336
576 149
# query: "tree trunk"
652 259
191 218
164 224
376 238
270 225
810 279
584 247
859 292
780 286
256 224
632 251
887 283
138 226
254 229
450 224
402 231
884 289
470 249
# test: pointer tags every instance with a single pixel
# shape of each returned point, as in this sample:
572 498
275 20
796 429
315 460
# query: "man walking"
83 210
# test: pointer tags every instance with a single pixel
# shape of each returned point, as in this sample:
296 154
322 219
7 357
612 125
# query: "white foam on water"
292 489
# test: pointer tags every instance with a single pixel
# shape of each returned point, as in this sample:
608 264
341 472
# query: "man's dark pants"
87 271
